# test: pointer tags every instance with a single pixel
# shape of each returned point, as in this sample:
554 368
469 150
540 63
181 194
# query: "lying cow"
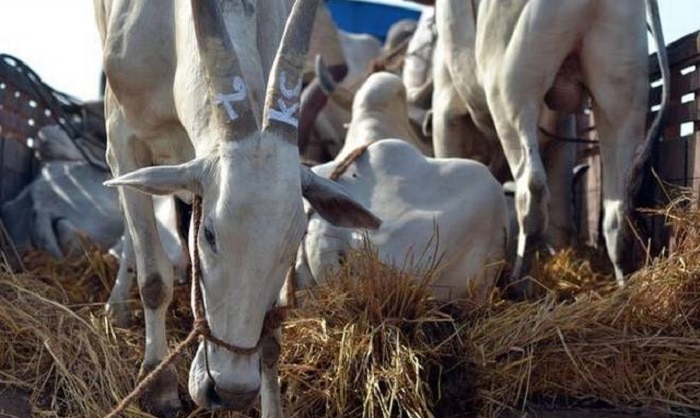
65 204
415 196
505 69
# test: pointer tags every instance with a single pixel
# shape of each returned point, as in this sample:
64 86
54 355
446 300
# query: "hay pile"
372 343
369 344
54 345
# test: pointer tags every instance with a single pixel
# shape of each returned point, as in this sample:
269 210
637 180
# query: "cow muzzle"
219 398
222 380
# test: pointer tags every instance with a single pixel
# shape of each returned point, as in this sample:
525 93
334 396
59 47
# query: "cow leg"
154 269
515 86
117 307
615 66
455 135
449 114
270 396
516 123
449 126
43 234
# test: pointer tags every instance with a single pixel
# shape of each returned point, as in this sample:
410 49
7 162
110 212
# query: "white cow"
65 203
414 196
188 110
379 111
501 65
417 72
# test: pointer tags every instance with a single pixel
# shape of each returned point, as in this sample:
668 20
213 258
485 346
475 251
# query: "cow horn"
281 112
340 95
233 108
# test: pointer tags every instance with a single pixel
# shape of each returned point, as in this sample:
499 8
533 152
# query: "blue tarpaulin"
374 17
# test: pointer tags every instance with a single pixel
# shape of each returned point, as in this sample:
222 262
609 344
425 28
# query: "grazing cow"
499 69
188 110
416 196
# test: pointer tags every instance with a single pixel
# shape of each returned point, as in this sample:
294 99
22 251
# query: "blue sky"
58 38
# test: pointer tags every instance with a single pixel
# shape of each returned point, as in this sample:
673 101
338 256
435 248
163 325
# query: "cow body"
504 69
188 112
421 200
65 203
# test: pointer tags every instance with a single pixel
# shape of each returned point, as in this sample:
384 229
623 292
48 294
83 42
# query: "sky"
58 39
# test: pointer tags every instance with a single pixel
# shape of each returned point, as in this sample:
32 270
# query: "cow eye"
211 239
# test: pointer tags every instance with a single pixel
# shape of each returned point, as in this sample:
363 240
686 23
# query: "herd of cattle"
204 98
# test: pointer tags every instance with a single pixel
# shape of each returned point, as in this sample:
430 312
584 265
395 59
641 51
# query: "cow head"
326 244
323 249
252 212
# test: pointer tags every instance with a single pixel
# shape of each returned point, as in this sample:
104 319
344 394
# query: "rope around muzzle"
200 330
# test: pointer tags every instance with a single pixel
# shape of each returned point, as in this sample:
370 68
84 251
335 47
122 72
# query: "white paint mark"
285 112
289 93
238 95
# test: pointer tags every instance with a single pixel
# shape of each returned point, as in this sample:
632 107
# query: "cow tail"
642 158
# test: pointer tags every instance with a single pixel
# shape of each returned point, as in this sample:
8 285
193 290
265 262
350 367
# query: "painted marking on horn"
286 112
238 95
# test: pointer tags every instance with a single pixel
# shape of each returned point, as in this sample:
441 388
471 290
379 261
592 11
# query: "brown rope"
201 330
392 59
151 377
343 166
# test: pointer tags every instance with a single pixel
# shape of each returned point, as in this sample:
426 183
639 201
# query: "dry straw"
372 342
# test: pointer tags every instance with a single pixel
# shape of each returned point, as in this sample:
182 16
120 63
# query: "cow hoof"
161 398
118 313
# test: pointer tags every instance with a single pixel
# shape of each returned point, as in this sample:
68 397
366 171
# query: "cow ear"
164 179
334 204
